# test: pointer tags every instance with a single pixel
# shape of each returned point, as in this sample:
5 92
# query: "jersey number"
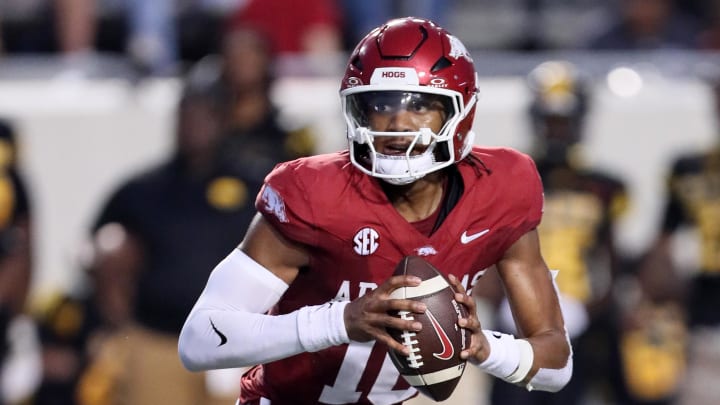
352 369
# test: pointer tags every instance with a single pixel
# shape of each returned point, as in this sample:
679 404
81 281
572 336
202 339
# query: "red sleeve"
525 192
284 203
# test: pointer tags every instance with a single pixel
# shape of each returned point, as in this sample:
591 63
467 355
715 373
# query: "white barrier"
80 138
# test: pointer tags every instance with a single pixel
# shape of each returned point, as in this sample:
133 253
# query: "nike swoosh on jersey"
465 238
223 338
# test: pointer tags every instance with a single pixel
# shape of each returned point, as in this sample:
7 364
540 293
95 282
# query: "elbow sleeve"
552 380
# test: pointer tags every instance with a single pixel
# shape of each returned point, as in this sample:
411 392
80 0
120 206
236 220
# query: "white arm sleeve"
228 327
511 359
550 379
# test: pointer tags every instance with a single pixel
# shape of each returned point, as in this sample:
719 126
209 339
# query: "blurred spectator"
311 30
648 24
692 208
27 26
157 36
258 136
174 207
153 38
312 26
19 354
225 145
163 34
67 27
161 37
75 25
363 16
709 38
71 326
581 211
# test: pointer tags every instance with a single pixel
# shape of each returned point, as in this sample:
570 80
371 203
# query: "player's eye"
382 107
419 106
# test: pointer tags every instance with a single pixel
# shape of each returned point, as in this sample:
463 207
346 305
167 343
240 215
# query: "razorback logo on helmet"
394 76
457 49
274 204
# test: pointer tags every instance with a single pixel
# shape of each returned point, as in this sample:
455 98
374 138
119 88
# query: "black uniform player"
581 209
693 203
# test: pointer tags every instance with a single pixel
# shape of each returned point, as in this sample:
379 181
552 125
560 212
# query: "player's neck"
418 200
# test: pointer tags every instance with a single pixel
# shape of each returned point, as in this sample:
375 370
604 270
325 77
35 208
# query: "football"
434 366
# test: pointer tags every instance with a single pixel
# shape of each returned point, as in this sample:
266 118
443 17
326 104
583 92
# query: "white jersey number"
352 369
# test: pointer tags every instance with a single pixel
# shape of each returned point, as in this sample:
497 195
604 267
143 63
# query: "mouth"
395 149
400 148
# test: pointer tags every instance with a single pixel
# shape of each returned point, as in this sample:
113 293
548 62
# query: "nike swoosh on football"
223 338
447 348
465 238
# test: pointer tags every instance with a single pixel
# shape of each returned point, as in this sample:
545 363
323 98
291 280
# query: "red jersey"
356 238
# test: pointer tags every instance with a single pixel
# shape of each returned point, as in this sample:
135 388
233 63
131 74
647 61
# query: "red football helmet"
405 62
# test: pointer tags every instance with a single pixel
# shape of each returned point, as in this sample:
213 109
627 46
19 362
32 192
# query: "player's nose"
402 121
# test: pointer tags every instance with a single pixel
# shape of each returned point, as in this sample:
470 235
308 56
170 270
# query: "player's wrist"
322 326
509 359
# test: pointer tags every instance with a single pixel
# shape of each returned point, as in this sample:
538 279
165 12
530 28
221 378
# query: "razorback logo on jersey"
426 251
274 204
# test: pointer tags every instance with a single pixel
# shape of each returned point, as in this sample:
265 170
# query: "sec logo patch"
366 241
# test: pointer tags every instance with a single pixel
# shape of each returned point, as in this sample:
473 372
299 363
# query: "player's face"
198 127
246 58
403 112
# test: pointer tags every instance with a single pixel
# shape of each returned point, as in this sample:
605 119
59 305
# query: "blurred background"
93 93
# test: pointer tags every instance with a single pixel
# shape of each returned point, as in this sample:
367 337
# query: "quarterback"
304 299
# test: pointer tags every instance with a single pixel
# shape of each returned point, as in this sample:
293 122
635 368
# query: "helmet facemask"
425 150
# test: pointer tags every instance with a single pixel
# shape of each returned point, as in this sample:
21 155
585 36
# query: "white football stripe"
427 287
435 377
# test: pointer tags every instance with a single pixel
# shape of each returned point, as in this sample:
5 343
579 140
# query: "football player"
304 299
18 336
581 211
693 209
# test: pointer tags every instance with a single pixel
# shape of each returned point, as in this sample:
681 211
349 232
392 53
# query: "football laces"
414 359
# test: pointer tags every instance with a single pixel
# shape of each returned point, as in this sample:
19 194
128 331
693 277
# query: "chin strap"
404 166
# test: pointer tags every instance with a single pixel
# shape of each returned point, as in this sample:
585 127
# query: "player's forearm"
553 362
552 350
214 339
228 326
543 362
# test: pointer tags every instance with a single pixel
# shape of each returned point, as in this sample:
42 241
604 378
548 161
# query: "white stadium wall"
79 138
